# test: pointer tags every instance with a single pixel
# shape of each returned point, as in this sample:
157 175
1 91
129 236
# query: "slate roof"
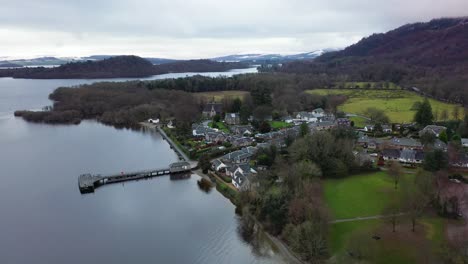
434 129
405 142
217 107
391 153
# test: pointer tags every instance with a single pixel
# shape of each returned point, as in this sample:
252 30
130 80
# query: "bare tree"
444 115
393 212
395 171
456 113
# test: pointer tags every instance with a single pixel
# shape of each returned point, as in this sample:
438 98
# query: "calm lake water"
45 219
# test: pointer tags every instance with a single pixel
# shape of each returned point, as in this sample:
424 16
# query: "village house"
390 154
288 119
369 128
440 145
406 156
215 137
387 129
212 109
241 176
464 142
218 166
319 112
241 141
153 120
232 119
237 157
307 117
246 130
170 124
401 143
343 122
411 156
325 125
433 129
460 161
241 181
199 130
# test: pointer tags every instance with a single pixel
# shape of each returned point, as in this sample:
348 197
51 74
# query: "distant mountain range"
118 67
259 58
247 58
54 61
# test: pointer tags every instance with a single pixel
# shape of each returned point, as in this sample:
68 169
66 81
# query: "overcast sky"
202 28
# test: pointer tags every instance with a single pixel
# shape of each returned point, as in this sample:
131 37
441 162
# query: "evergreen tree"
424 114
236 105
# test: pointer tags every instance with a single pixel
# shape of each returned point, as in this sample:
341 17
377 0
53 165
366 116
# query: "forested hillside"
118 67
432 56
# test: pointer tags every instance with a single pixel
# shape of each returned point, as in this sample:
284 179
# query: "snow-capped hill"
270 57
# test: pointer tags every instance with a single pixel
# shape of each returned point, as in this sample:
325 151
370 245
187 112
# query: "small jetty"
87 183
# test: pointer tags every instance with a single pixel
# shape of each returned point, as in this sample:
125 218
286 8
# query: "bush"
227 192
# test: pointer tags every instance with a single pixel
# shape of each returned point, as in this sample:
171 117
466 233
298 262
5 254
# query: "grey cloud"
300 21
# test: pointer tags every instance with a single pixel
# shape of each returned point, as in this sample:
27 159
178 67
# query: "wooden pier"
87 183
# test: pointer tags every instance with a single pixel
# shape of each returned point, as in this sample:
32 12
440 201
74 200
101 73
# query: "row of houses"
406 156
278 138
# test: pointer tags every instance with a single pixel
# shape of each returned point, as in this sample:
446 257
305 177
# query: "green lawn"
340 233
388 250
360 195
220 125
359 122
392 248
220 95
279 124
367 195
397 104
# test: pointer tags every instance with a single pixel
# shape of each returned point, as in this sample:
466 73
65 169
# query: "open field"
397 104
220 95
367 195
359 122
220 125
280 124
361 195
403 246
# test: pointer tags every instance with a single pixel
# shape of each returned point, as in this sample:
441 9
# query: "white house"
306 116
218 165
153 121
369 128
319 112
464 142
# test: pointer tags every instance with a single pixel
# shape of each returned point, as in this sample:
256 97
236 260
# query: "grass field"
279 124
220 125
397 104
367 195
219 95
403 246
359 122
361 195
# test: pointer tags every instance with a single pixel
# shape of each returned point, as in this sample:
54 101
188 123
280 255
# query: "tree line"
118 67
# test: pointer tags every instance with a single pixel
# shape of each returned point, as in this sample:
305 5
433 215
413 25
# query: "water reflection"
251 232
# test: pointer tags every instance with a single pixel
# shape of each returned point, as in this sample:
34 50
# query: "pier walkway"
88 183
